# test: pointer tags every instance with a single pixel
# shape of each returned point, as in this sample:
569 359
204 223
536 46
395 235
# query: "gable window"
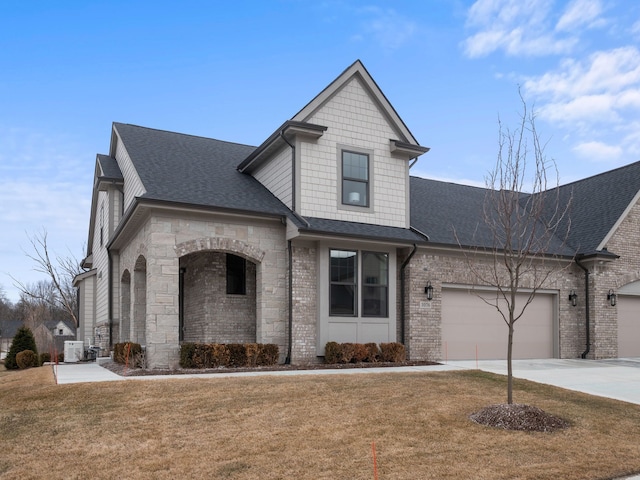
344 283
355 179
344 280
236 275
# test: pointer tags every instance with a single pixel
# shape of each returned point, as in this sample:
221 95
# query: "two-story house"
320 234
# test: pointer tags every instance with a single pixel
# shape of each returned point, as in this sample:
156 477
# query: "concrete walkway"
618 378
93 372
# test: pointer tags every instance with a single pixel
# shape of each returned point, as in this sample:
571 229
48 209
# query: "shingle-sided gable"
357 70
355 122
196 171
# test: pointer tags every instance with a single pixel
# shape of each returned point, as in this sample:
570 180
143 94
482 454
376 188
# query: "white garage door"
472 329
628 326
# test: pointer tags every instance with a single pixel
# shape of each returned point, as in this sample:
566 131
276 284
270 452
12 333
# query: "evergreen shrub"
24 340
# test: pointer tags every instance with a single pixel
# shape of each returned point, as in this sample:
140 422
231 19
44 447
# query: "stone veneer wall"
164 239
423 320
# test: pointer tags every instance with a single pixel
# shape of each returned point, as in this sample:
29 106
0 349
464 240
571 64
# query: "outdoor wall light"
429 291
573 298
611 296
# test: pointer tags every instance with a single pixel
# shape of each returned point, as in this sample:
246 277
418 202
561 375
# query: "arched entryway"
125 306
138 333
217 297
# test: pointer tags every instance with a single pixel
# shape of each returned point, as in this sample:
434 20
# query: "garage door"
472 328
628 326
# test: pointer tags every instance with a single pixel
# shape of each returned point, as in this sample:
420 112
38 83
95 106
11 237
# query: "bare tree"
527 231
60 293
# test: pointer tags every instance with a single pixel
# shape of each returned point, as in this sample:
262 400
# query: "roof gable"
358 71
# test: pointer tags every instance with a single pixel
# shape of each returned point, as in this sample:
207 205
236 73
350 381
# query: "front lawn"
315 427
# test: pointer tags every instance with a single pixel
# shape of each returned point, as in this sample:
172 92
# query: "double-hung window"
355 179
347 273
343 294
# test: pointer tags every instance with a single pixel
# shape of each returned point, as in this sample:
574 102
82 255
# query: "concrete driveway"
615 378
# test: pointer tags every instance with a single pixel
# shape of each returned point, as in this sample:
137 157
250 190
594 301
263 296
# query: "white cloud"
581 13
594 91
598 151
528 27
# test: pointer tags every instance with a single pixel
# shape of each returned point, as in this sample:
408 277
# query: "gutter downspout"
287 360
402 289
110 301
586 297
289 347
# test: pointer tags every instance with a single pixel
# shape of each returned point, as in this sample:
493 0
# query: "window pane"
354 193
343 266
374 302
355 166
343 288
375 268
375 278
343 300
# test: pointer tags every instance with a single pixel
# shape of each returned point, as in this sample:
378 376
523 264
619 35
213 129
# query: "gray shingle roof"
597 204
109 167
355 229
453 214
181 168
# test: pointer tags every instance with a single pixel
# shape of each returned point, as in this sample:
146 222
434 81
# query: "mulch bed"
519 417
122 370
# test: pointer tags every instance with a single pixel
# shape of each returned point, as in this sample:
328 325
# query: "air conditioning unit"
73 351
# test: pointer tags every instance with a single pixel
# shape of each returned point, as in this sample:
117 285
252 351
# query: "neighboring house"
8 330
51 335
320 234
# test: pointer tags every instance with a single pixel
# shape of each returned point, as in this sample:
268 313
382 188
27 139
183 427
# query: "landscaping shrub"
269 354
348 349
27 359
332 352
45 357
369 352
186 355
220 355
120 351
252 350
373 352
23 340
360 353
212 355
392 352
237 355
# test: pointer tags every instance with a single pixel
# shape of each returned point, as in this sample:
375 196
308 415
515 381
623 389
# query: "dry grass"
317 427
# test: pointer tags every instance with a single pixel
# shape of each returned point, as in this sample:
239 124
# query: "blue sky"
236 70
